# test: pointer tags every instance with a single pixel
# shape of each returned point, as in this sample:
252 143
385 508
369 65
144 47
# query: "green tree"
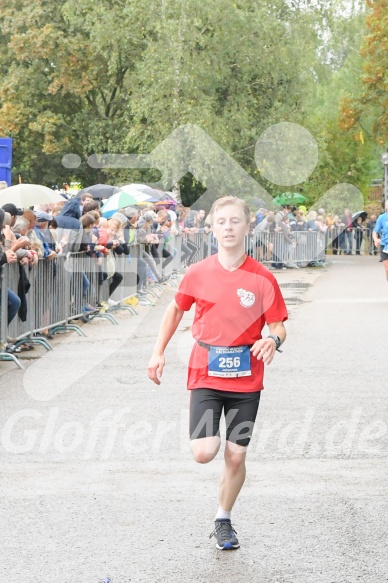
67 82
368 111
343 157
118 76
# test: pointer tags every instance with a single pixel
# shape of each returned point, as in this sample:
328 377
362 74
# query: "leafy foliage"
118 76
368 111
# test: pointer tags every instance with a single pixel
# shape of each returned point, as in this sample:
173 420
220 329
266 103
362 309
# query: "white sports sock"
223 514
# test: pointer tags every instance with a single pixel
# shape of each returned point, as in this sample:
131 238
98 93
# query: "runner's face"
230 226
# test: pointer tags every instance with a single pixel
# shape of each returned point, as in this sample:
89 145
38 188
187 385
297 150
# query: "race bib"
233 361
385 250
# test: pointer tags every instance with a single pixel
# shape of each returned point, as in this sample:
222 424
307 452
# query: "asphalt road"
97 478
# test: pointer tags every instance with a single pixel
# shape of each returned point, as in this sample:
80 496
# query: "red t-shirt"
231 309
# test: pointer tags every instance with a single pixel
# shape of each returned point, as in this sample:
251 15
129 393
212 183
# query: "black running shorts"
240 409
383 256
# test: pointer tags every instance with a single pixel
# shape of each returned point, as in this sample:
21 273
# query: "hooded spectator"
69 226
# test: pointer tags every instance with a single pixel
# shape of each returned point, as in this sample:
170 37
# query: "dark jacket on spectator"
3 257
69 225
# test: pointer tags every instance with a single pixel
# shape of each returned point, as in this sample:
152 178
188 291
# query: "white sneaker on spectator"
145 302
112 302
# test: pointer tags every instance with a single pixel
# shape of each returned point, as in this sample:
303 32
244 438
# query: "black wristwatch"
277 340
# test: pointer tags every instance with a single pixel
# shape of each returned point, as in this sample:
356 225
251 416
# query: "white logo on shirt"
247 298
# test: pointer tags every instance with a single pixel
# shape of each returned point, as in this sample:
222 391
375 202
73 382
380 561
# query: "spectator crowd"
77 225
345 234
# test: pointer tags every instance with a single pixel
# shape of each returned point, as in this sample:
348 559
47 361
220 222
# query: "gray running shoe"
225 535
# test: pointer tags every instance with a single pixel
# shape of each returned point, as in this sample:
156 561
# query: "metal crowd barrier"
58 294
356 241
299 250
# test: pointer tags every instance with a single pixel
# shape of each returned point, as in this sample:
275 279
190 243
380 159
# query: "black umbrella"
362 214
99 191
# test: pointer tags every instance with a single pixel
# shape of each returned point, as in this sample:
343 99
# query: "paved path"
97 478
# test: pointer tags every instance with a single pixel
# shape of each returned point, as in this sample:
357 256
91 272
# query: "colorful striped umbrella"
116 202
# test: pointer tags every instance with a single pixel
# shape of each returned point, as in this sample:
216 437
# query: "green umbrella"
117 201
289 198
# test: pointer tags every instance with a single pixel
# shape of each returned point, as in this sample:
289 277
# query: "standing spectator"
69 226
26 255
13 211
260 215
280 214
88 244
116 246
200 219
86 198
130 237
311 221
35 242
147 237
90 206
43 234
370 225
65 190
302 215
300 223
338 236
282 244
359 234
8 256
189 249
263 238
329 220
348 222
160 229
320 224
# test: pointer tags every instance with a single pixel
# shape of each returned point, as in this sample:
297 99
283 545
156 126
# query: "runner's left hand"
264 349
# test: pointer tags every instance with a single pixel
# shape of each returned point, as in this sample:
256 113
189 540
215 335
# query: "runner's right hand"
155 368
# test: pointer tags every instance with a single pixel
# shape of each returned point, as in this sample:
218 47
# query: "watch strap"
277 341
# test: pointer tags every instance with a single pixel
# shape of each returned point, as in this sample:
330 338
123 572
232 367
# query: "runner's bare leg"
233 475
385 263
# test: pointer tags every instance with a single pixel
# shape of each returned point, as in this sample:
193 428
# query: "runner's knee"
235 456
205 449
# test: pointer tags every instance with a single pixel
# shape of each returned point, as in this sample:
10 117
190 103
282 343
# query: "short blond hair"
114 222
230 200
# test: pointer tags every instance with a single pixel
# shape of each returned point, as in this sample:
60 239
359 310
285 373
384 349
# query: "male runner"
235 297
382 227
